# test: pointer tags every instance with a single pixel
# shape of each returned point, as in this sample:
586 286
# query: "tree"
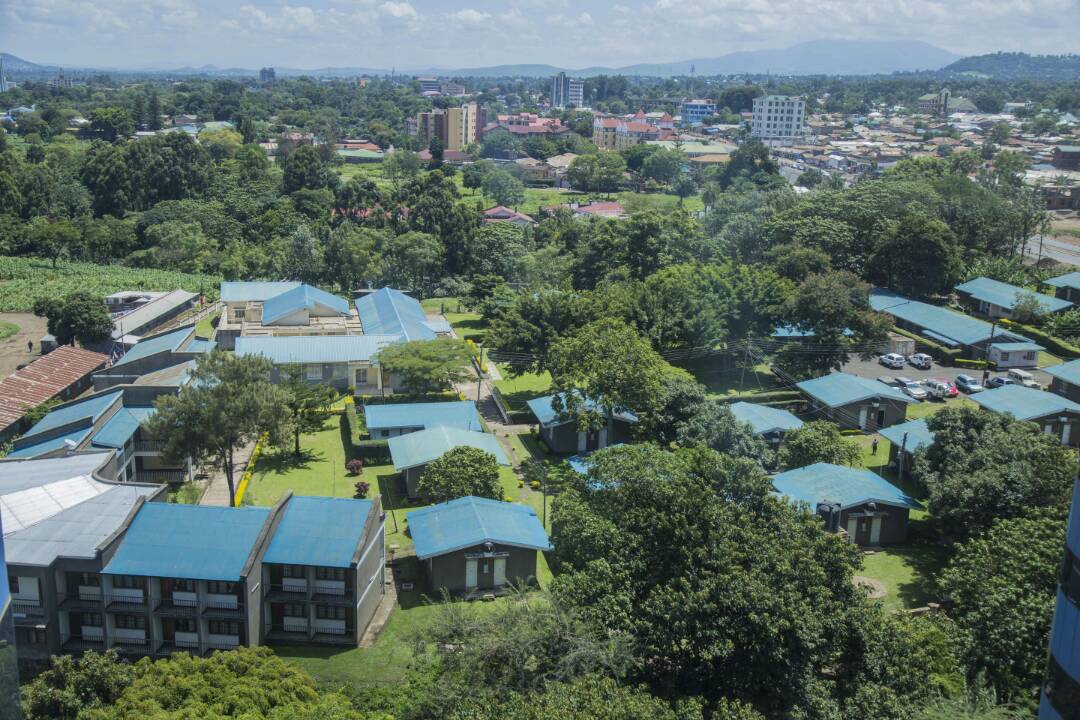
246 127
222 143
714 425
460 472
917 256
435 148
412 260
71 687
427 366
78 316
984 466
53 238
664 166
153 111
816 442
229 404
684 186
1001 585
401 164
350 254
110 123
305 169
308 404
504 188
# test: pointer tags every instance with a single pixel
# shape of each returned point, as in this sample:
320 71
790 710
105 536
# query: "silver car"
913 389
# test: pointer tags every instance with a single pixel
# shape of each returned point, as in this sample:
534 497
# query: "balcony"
161 477
83 600
223 606
149 446
179 605
27 609
292 591
290 630
168 647
222 642
125 602
80 643
132 646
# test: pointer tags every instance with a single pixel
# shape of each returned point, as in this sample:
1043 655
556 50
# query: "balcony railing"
81 642
149 446
134 646
29 608
79 601
161 476
223 608
172 605
122 602
296 591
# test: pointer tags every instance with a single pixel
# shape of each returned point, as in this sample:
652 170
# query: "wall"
847 416
894 524
448 571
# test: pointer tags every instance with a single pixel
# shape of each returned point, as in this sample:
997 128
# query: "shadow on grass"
310 652
927 561
410 570
283 461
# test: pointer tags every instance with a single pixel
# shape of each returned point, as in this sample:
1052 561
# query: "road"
873 369
1054 248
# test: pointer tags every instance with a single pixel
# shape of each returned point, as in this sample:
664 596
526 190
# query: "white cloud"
399 10
469 16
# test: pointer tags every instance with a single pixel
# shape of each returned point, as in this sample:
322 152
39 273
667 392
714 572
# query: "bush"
373 451
352 420
362 489
972 364
355 467
1054 344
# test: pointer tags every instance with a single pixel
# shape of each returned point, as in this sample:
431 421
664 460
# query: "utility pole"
900 458
479 375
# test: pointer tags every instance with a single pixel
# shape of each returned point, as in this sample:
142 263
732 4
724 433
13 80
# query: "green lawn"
7 329
929 407
205 327
460 318
516 390
1047 360
907 573
736 381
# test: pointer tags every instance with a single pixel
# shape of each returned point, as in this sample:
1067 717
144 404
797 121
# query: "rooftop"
765 419
1024 403
951 328
917 432
254 291
469 521
302 297
315 349
837 389
825 482
391 312
121 427
150 313
420 448
1069 372
545 413
43 379
1068 280
459 414
170 341
320 531
194 542
1006 296
91 407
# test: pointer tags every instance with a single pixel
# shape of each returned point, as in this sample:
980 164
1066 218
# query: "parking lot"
873 369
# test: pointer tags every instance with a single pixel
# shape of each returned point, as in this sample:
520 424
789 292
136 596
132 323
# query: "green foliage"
427 366
713 425
818 441
917 256
71 687
504 188
78 316
32 416
308 403
591 698
460 472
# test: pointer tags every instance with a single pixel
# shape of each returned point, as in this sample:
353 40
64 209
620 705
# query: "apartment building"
171 349
567 92
281 309
694 112
778 117
633 132
454 127
428 84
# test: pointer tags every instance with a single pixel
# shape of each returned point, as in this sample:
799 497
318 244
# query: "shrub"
362 489
355 466
372 451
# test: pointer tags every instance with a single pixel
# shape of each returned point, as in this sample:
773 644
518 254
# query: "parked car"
892 360
888 380
968 384
912 389
940 388
1023 377
1000 381
921 361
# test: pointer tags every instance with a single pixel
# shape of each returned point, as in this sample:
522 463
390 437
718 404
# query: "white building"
778 117
567 92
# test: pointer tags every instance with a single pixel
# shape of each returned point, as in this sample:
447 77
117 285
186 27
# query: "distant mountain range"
1008 66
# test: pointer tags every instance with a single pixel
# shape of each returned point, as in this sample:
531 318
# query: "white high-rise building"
4 84
778 117
567 92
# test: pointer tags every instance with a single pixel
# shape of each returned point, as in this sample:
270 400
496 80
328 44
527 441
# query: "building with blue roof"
476 546
391 312
412 452
392 419
1065 379
941 325
1014 354
151 354
1060 695
997 299
261 309
769 422
562 435
340 361
872 510
856 403
905 440
1055 414
1066 287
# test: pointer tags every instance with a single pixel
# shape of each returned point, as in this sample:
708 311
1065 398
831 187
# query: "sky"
471 33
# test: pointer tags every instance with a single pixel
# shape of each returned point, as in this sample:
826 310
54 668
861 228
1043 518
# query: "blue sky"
410 33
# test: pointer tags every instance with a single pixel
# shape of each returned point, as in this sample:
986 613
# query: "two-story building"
281 309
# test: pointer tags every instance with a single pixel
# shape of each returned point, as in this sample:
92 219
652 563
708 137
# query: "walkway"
217 491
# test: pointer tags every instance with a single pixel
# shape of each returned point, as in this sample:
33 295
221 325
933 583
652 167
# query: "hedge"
377 451
352 419
973 364
1054 344
774 396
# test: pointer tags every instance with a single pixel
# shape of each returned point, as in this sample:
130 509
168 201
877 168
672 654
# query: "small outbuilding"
411 453
393 419
905 440
1056 415
856 403
769 422
997 299
1067 286
472 546
872 510
1065 379
563 436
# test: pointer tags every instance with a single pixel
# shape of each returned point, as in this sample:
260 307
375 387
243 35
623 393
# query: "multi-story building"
4 84
97 565
634 132
281 309
567 92
267 76
454 127
778 117
1060 698
694 112
9 665
428 84
603 133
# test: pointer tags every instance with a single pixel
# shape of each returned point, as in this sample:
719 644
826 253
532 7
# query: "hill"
1015 65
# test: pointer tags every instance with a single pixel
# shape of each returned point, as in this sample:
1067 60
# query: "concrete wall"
1065 389
893 523
847 416
448 571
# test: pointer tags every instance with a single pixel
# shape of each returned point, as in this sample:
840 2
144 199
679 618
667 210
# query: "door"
1066 430
500 571
881 418
168 629
862 418
470 573
852 527
875 530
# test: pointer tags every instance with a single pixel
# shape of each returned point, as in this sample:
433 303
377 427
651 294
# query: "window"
294 610
384 433
314 372
329 613
92 620
325 573
224 627
238 315
293 571
339 371
88 579
182 585
186 625
131 622
361 376
127 582
30 636
1070 577
220 587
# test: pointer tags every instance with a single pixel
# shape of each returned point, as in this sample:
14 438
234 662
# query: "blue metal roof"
391 312
917 431
1069 372
793 331
822 482
1072 531
765 419
1024 403
301 297
90 408
1068 280
581 462
946 341
121 426
545 413
468 521
315 348
45 446
838 389
1005 295
258 291
170 341
420 448
198 345
459 414
1065 635
945 324
1017 346
322 531
193 542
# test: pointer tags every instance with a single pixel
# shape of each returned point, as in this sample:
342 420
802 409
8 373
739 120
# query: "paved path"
217 492
383 612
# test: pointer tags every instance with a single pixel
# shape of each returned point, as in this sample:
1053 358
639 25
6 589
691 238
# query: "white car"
892 360
913 389
921 361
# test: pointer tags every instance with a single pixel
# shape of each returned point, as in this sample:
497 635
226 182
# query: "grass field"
517 390
735 381
205 327
907 573
7 329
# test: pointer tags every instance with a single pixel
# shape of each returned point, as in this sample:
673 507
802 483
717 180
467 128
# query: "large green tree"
815 442
78 316
427 366
460 472
308 403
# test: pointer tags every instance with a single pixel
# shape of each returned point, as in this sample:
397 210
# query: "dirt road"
13 351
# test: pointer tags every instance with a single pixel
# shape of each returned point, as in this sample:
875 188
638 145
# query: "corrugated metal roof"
422 447
174 375
43 379
35 449
837 389
321 531
1005 295
391 312
1068 280
91 407
460 414
545 413
1065 635
1017 346
194 542
1024 403
15 476
917 431
199 345
315 349
121 426
765 419
149 314
301 297
468 521
258 291
170 341
1072 531
823 482
960 329
1069 372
